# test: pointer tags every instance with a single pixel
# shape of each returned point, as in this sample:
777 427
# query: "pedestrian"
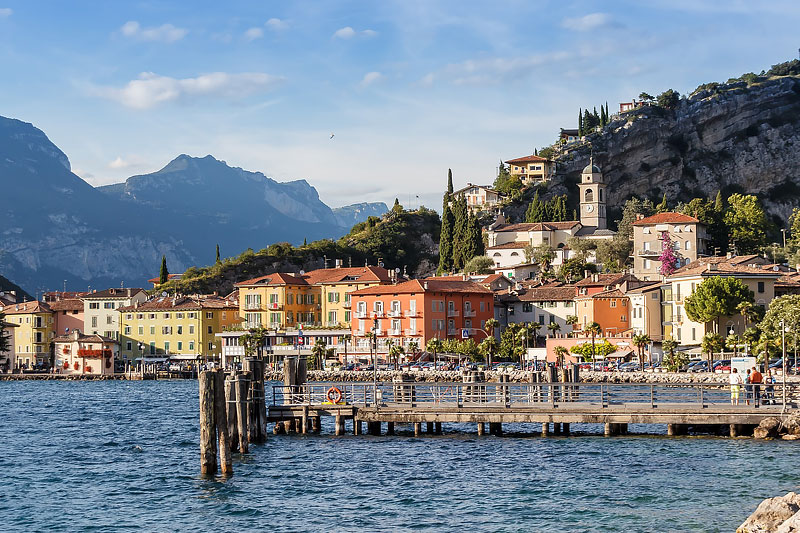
769 387
748 388
756 379
735 380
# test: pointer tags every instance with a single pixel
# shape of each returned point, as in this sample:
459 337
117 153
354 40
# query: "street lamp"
375 359
783 364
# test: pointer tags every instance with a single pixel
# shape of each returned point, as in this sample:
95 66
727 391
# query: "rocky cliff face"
734 138
350 215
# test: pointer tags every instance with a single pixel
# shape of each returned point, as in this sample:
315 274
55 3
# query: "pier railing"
520 395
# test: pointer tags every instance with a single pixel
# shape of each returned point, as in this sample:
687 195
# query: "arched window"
377 306
514 254
600 194
496 254
589 196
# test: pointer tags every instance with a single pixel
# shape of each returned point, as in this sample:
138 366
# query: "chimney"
338 263
112 291
586 273
595 277
711 267
425 285
76 333
729 255
129 292
639 216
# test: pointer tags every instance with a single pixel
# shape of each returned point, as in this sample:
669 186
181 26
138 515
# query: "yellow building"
34 334
279 301
531 169
335 286
184 326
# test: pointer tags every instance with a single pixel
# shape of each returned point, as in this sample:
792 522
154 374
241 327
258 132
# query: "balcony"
648 253
451 332
378 331
395 313
361 314
413 313
273 306
360 333
452 312
252 325
347 304
252 306
469 313
395 332
411 333
377 314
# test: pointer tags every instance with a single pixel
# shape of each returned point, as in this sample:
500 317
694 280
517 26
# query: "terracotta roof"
666 218
509 246
612 293
169 277
548 294
338 275
538 226
182 303
604 280
528 159
277 278
471 185
644 286
491 278
113 293
416 285
25 308
723 266
54 296
85 338
70 304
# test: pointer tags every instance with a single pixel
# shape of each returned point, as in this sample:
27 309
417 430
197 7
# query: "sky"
407 88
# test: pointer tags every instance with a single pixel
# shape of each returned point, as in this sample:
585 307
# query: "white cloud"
5 12
348 33
276 24
371 77
586 22
150 90
253 33
119 163
165 33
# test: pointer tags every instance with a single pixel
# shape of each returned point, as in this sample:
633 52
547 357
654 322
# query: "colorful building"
179 327
610 309
687 234
549 304
646 310
100 316
334 285
7 356
68 315
76 353
416 311
531 169
480 198
34 336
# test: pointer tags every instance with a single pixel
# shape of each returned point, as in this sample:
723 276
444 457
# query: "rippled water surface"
79 456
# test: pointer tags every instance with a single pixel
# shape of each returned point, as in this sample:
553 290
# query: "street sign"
300 341
465 333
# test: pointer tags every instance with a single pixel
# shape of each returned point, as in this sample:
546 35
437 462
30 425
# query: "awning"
185 357
619 354
152 359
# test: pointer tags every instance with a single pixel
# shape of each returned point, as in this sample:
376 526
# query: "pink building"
67 314
81 354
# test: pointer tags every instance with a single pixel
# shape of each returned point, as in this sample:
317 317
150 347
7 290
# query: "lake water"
95 456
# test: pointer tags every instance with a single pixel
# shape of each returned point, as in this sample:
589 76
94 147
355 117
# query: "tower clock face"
589 208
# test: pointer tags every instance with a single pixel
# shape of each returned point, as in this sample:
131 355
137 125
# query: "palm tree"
561 352
345 339
490 325
554 328
593 329
318 351
748 311
534 326
572 320
488 347
395 351
641 341
413 346
434 345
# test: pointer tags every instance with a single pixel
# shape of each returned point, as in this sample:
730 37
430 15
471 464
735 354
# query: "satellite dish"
164 294
302 272
775 268
397 270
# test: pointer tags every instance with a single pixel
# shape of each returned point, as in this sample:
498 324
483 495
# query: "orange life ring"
334 395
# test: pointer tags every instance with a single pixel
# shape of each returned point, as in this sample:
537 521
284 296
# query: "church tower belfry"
593 196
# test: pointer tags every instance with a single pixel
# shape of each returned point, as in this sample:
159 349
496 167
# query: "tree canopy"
747 223
716 297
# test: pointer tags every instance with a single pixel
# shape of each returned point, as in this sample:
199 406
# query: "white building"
544 304
480 198
507 242
7 356
100 316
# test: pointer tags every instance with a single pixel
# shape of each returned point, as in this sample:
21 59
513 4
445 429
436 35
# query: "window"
646 264
152 348
613 303
152 316
210 330
209 314
332 317
108 305
654 296
589 196
94 321
127 330
688 246
377 307
191 315
527 307
127 317
152 330
224 315
94 305
166 346
760 286
347 316
694 335
623 318
180 346
139 316
166 330
600 194
191 346
109 319
178 315
568 303
395 325
129 346
180 331
191 326
289 299
679 333
210 345
141 330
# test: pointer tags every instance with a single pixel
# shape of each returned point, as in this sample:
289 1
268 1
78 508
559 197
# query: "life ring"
334 395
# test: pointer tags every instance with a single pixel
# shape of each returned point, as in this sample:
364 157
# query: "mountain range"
57 227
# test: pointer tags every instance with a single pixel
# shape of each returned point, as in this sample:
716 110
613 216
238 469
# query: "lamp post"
375 359
783 364
141 357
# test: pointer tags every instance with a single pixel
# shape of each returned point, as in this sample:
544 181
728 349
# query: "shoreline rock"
780 514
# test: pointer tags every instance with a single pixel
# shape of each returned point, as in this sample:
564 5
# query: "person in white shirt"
736 381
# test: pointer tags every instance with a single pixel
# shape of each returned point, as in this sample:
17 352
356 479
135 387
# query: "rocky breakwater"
439 376
779 515
786 428
651 377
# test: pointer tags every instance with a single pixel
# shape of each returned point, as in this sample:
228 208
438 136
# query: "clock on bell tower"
593 197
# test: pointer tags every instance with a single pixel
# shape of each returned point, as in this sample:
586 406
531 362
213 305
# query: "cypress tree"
305 242
449 181
460 233
218 254
446 241
580 122
587 122
476 237
536 210
596 117
603 116
164 275
608 116
663 207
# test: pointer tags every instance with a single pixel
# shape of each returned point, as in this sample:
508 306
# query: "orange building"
418 310
610 309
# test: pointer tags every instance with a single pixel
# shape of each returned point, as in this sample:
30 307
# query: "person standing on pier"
735 380
756 379
748 388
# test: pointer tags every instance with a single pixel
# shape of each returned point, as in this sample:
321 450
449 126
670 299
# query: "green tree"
460 234
593 329
560 353
395 352
542 255
572 320
673 360
536 211
581 247
712 342
663 207
446 240
669 99
573 269
646 98
554 328
397 208
581 133
480 264
747 223
590 351
5 336
716 297
163 277
783 308
475 245
613 253
449 182
434 346
641 341
218 259
488 347
318 352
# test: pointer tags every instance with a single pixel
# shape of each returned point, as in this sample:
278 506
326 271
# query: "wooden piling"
288 426
481 429
565 428
608 429
242 417
545 429
221 421
390 428
316 424
230 412
429 427
417 428
556 428
304 423
356 427
437 428
339 425
208 441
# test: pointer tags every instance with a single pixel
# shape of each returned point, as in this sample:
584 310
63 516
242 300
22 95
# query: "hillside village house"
531 169
289 342
7 356
178 327
416 311
100 316
684 281
76 353
688 236
548 304
646 310
611 308
507 242
480 198
35 333
569 136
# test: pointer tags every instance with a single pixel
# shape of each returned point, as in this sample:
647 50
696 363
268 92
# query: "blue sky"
409 88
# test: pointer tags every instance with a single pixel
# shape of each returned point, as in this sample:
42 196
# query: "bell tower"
593 197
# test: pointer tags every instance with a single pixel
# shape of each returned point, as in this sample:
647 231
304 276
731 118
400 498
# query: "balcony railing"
469 313
648 253
411 332
347 304
252 306
360 333
395 332
395 313
361 314
413 313
452 331
274 305
252 325
452 312
377 314
378 331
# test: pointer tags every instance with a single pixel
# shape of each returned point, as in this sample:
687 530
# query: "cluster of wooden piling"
233 413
